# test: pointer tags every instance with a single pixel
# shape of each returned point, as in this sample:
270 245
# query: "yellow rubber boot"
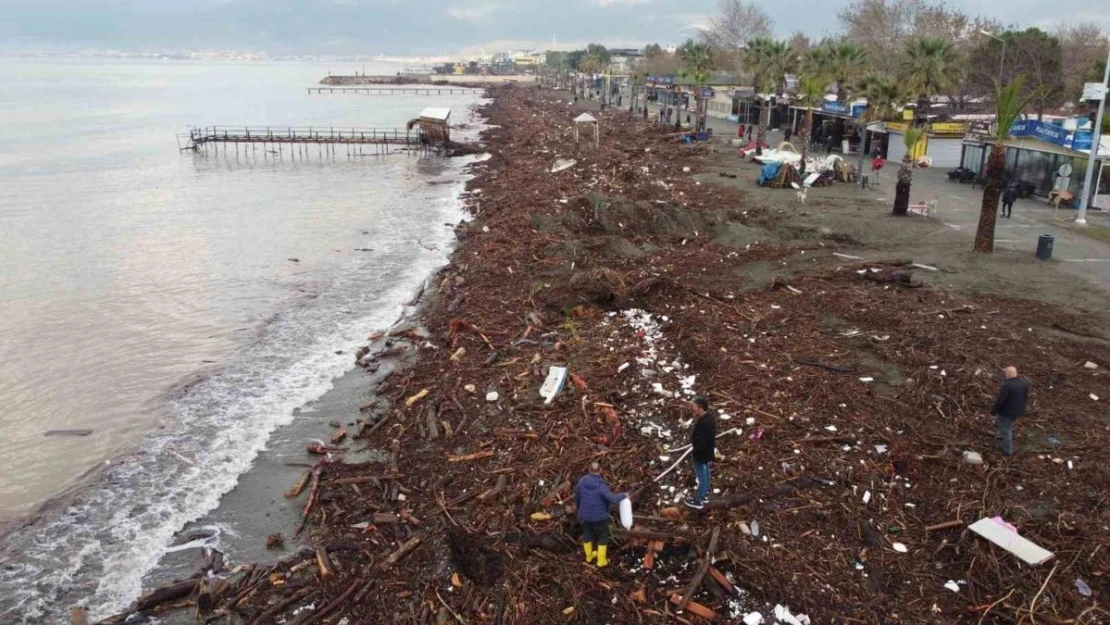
602 560
590 553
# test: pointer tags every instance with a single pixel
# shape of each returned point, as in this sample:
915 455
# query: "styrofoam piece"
553 385
625 507
783 615
1006 536
562 164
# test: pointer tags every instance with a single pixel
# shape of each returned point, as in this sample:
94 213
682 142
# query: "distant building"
622 60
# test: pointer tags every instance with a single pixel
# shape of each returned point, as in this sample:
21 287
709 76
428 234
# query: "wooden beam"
702 570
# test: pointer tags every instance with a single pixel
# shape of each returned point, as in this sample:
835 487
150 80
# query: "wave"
96 549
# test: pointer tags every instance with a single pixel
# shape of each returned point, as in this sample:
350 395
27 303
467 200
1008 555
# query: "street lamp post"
1096 140
1001 61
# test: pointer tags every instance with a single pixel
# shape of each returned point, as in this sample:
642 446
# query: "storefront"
942 144
1036 155
838 123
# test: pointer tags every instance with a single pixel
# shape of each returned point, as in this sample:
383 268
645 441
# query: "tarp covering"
769 172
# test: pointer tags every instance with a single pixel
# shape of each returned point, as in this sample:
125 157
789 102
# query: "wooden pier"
396 90
299 140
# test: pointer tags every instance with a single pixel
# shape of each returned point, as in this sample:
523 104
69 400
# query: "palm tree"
884 96
931 66
753 60
905 172
847 62
697 65
769 60
590 64
1010 104
810 94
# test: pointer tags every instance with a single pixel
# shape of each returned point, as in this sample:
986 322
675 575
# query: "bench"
925 209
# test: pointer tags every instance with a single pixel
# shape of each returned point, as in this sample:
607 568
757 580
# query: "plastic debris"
553 385
867 497
563 164
1090 365
867 380
972 457
492 396
1094 397
952 585
899 547
783 615
1006 536
1082 587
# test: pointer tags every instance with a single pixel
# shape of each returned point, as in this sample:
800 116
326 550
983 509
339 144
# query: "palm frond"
912 136
1010 103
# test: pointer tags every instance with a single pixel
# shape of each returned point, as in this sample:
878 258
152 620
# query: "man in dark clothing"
787 133
592 498
1009 196
704 441
1009 405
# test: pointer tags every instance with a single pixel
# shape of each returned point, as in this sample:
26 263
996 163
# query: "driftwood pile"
847 400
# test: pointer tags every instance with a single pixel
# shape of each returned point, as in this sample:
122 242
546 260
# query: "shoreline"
631 256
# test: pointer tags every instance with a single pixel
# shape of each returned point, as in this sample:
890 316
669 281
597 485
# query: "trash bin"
1044 246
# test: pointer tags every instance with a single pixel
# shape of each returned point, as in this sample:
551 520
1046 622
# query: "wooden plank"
707 559
720 578
693 607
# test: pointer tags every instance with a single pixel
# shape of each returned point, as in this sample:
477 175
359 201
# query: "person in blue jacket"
592 498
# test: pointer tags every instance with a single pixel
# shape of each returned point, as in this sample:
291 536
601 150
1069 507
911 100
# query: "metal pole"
1096 139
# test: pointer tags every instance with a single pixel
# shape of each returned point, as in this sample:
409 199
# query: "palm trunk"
805 136
764 119
902 189
992 192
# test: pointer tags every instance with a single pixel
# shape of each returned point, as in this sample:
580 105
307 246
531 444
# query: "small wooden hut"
433 125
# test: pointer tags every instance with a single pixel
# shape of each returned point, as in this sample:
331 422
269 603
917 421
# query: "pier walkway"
199 138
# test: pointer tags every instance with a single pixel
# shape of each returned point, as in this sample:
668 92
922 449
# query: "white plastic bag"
626 513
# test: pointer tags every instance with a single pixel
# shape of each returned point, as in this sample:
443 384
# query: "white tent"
587 119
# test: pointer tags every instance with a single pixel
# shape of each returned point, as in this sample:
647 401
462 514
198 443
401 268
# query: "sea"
183 306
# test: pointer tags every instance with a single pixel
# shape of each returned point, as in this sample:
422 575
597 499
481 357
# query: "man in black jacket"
1009 405
1009 196
704 440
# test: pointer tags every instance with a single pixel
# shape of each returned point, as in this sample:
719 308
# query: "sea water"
180 305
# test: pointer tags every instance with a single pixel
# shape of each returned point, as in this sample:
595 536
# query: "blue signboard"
1081 140
707 93
1050 133
836 108
858 109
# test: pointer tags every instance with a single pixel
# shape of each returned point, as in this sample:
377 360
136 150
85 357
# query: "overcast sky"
411 27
